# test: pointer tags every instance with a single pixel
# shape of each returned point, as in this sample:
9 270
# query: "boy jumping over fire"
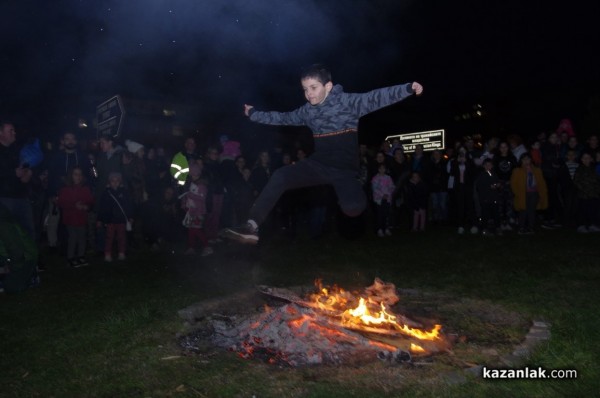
333 116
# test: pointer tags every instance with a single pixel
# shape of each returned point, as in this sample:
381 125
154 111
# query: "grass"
110 330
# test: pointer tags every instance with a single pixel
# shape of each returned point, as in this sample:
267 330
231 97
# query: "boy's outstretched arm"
382 97
293 118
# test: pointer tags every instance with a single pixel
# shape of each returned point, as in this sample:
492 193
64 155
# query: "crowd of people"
124 195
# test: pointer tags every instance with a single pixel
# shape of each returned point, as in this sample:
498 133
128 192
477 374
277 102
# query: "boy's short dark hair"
316 71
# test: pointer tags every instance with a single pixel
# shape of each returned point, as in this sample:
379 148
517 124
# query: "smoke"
215 52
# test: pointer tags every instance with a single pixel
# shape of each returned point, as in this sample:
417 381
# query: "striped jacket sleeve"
379 98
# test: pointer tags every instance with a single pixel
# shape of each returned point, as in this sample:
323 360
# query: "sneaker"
82 262
121 256
461 230
245 234
474 230
582 229
506 227
548 225
388 232
108 258
380 233
73 263
593 228
207 251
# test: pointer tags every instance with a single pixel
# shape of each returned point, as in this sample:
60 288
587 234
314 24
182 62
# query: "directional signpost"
430 140
110 115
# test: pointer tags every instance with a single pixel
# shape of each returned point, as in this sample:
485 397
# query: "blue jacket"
334 122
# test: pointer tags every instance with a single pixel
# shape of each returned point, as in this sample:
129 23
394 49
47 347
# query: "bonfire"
331 325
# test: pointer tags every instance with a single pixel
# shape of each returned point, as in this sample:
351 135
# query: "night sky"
530 63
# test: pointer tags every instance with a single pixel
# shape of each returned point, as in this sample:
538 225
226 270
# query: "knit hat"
133 146
566 126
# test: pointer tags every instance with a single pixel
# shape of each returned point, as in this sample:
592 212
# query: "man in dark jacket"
333 116
14 176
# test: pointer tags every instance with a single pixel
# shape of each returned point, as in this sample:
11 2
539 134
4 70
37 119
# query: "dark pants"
490 213
76 242
527 216
115 231
383 214
307 173
465 208
588 211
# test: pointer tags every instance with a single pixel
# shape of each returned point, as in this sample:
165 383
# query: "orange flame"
338 300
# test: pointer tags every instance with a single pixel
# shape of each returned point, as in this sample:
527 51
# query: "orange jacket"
518 184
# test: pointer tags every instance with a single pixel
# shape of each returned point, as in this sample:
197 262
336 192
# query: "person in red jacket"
75 200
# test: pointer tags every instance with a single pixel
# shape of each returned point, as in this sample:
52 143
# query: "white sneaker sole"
241 238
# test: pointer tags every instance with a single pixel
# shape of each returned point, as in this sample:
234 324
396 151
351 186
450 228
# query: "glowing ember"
330 326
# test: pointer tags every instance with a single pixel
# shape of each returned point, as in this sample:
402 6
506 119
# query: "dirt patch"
481 332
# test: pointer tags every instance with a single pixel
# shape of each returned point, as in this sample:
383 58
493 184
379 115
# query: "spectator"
215 183
419 161
488 188
462 173
573 145
588 194
75 200
531 193
181 161
108 162
565 175
383 188
551 161
162 219
516 146
60 164
14 176
115 215
592 146
379 159
261 173
438 187
416 200
504 164
194 203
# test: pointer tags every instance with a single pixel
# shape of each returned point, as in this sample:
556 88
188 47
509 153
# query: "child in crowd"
75 200
417 197
383 188
529 187
194 203
115 214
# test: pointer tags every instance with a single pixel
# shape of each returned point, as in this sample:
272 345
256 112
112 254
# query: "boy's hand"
247 109
417 88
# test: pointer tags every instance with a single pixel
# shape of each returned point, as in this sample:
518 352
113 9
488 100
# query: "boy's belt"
332 133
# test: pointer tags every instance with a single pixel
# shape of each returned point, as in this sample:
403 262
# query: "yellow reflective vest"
180 168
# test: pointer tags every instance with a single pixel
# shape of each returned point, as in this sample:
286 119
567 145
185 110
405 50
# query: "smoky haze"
218 54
